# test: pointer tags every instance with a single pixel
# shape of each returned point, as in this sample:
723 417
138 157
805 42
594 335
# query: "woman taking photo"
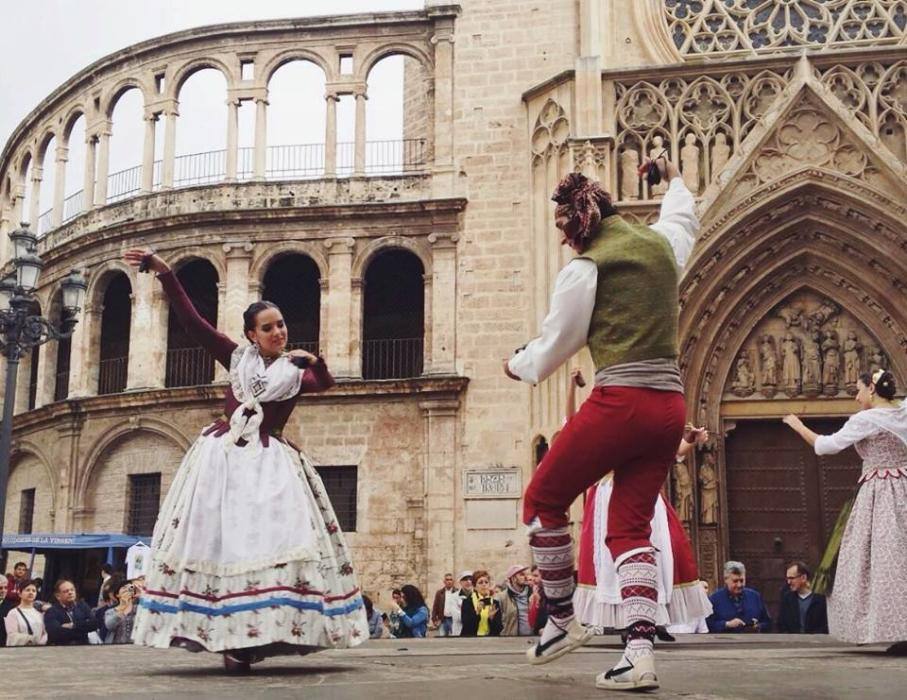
120 619
247 556
481 613
869 601
413 613
24 624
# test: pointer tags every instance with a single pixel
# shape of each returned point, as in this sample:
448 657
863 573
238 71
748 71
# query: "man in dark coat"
68 621
801 611
5 607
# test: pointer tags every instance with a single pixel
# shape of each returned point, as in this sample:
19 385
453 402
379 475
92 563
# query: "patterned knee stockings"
552 550
639 602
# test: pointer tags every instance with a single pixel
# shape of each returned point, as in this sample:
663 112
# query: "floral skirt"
869 601
234 566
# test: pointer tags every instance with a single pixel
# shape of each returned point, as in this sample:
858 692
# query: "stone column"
47 363
91 143
330 134
261 138
232 138
148 154
338 314
100 190
144 334
440 485
34 206
443 175
236 288
157 345
167 167
60 158
84 357
444 302
69 432
359 161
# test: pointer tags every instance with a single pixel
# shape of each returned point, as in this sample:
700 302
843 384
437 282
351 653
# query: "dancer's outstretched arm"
677 221
692 437
855 429
564 329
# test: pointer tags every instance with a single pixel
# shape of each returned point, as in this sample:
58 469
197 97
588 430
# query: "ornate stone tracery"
705 27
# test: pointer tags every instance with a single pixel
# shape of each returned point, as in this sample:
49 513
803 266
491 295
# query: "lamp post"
21 330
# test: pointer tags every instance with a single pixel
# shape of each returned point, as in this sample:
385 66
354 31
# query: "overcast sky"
47 41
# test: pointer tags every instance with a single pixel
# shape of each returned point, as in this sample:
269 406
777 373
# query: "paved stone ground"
695 667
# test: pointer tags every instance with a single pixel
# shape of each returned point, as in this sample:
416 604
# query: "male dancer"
619 297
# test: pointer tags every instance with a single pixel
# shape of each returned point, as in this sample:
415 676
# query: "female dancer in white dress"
247 556
869 601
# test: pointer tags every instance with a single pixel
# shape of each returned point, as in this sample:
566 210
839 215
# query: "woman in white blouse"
24 624
869 601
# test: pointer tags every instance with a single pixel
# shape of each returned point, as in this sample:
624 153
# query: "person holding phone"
120 619
619 298
247 557
481 612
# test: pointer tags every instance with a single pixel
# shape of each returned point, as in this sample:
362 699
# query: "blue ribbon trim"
186 606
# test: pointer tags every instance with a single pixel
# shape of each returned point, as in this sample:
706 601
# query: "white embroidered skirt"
247 553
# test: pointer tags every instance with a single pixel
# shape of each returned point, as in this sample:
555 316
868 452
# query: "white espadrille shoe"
564 640
627 675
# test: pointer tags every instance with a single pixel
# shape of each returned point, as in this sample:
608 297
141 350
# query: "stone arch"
297 54
188 69
47 136
385 50
261 263
113 438
100 277
368 252
214 256
108 105
30 469
69 121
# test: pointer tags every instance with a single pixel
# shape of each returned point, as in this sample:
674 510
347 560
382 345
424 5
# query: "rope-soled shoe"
628 675
565 640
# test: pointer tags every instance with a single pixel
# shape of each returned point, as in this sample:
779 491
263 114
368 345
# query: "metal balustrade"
112 375
392 358
188 367
291 162
61 385
307 345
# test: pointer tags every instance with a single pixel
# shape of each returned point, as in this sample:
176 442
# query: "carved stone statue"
744 383
683 492
852 348
791 376
629 174
689 163
831 363
721 152
812 363
708 490
792 315
875 358
768 365
658 147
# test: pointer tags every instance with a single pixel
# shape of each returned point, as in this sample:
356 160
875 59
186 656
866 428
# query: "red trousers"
631 431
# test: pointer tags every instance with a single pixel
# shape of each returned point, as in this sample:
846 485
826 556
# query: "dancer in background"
682 600
868 602
619 297
247 556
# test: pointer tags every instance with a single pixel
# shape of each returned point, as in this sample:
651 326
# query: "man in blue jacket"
68 621
736 608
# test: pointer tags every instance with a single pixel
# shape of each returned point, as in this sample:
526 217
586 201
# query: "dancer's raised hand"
153 262
666 167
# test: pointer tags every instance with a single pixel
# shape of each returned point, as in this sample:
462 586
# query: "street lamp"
20 330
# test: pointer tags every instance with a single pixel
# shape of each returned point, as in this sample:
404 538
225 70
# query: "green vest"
636 302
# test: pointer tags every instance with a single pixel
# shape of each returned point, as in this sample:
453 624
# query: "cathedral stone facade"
788 119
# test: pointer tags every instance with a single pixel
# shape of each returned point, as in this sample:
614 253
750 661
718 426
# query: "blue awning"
69 541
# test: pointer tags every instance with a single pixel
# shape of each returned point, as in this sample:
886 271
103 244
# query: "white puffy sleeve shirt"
566 327
855 429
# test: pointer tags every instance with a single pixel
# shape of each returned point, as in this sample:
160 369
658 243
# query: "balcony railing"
293 162
307 345
189 367
112 375
61 385
392 358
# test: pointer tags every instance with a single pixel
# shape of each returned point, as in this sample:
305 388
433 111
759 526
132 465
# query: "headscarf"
580 200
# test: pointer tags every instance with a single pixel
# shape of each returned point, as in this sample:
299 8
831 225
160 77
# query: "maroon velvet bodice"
275 413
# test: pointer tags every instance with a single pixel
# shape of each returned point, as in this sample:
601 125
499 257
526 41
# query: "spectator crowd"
472 605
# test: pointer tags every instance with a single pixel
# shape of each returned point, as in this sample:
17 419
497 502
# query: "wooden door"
782 499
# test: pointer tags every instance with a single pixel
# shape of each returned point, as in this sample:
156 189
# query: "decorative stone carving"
689 163
658 148
875 358
721 26
708 489
721 152
800 351
744 381
683 492
629 176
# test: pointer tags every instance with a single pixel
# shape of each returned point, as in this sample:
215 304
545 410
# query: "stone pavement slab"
696 667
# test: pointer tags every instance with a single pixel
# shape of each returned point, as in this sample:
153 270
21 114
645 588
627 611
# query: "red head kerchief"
581 200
